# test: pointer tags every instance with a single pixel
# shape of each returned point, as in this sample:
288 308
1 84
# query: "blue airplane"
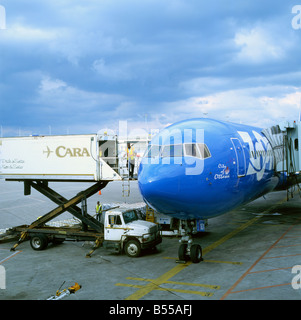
201 168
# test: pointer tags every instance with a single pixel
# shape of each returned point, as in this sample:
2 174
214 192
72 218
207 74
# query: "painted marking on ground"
10 256
262 257
155 284
202 293
210 261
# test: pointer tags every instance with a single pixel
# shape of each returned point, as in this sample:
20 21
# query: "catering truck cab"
123 230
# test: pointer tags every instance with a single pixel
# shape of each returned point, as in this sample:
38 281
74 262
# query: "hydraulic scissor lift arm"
63 205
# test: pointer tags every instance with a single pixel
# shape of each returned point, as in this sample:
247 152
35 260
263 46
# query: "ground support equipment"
40 235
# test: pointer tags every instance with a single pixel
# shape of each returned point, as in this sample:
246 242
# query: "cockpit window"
198 150
205 153
153 151
191 150
172 151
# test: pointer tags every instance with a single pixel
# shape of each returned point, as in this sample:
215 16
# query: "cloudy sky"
78 66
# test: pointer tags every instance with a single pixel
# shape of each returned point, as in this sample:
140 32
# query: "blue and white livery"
202 168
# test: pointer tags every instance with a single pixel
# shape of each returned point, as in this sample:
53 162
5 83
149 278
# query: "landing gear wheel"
196 253
182 253
133 248
39 242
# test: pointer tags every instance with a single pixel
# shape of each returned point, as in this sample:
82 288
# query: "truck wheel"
196 253
39 242
132 248
182 252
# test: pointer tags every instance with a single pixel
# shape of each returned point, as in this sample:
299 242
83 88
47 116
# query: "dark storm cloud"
88 64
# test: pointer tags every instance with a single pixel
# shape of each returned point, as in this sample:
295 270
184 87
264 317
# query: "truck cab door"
115 228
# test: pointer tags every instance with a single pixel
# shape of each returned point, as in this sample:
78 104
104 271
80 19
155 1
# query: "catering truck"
38 160
121 230
89 157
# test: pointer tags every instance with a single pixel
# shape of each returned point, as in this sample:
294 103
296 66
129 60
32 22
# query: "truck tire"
39 241
133 248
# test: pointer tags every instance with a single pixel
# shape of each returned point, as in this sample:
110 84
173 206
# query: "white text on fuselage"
261 156
224 173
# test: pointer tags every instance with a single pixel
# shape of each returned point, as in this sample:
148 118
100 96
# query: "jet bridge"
285 139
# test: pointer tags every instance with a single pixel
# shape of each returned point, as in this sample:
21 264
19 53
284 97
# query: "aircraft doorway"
240 157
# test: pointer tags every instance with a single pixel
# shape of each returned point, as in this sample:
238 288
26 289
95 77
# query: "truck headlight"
146 237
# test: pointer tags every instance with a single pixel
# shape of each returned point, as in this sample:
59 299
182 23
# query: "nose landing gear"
189 250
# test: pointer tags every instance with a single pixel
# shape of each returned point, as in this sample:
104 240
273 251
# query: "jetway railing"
285 139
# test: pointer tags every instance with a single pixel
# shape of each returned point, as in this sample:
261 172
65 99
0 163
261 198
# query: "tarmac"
251 253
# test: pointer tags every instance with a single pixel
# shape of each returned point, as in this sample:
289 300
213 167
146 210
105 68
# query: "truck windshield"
129 216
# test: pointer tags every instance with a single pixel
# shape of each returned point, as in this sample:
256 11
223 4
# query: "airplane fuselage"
202 168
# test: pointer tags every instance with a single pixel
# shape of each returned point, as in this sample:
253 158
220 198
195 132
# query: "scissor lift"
40 234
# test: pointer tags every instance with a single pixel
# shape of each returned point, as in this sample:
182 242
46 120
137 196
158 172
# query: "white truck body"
123 230
63 158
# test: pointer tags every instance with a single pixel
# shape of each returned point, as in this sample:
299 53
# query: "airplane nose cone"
162 188
168 190
152 185
156 187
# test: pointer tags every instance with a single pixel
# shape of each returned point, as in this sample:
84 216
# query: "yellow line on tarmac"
155 284
201 293
230 235
210 261
178 282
